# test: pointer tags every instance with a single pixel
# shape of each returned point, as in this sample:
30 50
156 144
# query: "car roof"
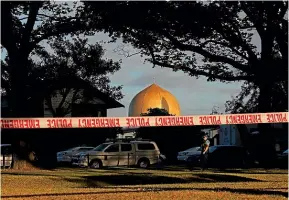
142 142
226 146
86 147
129 142
5 145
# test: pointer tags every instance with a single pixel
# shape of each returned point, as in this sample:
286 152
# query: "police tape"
133 122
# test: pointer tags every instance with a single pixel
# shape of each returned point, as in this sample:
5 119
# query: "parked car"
184 155
122 153
285 153
283 159
67 155
223 156
6 156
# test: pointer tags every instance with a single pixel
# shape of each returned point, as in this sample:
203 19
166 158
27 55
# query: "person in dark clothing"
205 152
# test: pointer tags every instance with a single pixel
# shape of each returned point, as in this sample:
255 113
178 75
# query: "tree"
70 68
177 35
156 112
247 100
24 26
69 64
74 61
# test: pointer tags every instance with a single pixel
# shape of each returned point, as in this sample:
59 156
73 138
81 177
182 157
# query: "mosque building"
153 97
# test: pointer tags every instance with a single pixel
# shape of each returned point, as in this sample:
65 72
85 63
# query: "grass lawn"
137 184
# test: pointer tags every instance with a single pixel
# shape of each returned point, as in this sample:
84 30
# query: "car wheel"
143 163
95 164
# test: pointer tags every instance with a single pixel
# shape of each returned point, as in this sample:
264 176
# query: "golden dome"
153 97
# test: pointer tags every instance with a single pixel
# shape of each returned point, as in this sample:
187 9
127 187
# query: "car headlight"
82 157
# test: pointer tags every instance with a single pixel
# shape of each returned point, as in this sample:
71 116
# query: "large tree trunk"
18 98
20 108
266 148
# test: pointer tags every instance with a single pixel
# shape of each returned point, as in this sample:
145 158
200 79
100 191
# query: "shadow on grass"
232 190
146 179
26 174
252 171
225 178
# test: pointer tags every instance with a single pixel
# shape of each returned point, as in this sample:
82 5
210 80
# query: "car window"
100 147
194 149
85 149
146 146
125 147
6 150
221 151
113 148
72 149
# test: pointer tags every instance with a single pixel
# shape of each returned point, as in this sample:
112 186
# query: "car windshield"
100 147
194 149
212 149
6 150
72 149
86 149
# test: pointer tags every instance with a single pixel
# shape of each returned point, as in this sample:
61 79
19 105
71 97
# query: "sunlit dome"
153 97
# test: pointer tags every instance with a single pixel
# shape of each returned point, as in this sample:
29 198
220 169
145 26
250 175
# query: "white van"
6 156
121 153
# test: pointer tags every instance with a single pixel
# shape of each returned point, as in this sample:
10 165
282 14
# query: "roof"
78 83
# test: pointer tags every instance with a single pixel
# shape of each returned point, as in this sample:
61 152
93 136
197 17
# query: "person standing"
205 152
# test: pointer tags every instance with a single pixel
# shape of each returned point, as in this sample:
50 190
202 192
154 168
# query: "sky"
195 96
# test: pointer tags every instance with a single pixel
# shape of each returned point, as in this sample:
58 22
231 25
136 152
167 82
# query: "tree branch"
210 56
67 90
25 40
8 39
225 45
243 44
49 104
61 27
258 25
203 73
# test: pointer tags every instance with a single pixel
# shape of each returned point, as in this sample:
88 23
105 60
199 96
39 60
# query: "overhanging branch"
225 45
33 11
203 73
205 53
8 39
61 27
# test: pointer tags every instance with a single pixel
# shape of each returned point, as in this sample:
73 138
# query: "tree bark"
18 101
266 148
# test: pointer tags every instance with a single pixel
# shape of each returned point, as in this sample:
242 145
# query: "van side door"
127 155
110 156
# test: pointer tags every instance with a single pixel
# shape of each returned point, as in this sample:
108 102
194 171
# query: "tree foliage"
156 112
25 26
29 64
213 39
68 61
247 100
